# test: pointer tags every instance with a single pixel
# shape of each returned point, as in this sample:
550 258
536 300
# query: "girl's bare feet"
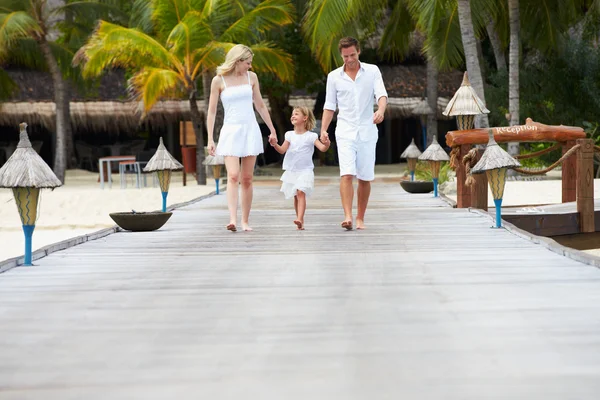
299 224
360 224
231 227
347 224
246 227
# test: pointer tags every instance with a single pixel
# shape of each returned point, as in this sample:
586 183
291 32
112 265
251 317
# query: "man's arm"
325 121
329 107
381 96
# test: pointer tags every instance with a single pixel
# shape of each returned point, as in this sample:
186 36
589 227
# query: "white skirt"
240 140
297 180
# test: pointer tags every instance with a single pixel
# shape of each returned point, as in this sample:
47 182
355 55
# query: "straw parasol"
435 155
162 160
494 162
25 168
163 163
26 173
216 162
465 104
411 153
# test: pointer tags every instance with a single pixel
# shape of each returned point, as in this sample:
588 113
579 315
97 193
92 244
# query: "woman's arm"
215 90
262 109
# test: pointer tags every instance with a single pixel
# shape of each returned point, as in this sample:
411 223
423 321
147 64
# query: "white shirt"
299 155
355 100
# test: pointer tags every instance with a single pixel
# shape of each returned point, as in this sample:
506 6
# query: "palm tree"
513 70
183 40
25 27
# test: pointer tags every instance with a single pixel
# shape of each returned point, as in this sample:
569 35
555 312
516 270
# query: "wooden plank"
585 184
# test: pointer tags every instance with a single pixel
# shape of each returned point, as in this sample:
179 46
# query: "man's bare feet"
347 224
299 224
231 227
360 224
246 227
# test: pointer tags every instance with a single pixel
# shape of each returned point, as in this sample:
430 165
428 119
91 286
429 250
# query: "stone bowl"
140 221
417 186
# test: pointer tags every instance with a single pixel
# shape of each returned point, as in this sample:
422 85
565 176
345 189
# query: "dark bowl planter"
417 186
142 221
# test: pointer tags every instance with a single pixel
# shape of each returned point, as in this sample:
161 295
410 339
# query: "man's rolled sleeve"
379 86
330 95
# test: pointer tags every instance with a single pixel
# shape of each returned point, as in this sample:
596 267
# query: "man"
353 88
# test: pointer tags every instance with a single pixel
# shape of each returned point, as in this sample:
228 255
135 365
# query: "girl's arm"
283 148
262 109
323 146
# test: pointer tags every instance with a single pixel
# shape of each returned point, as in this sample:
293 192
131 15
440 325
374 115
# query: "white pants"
357 158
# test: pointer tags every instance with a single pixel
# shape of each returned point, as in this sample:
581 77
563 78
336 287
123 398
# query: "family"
351 89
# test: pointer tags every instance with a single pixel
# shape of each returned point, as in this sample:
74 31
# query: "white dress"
240 135
298 164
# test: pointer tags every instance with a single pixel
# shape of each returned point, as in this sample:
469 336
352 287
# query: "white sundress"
240 135
298 165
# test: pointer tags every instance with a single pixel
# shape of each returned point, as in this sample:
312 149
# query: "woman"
240 136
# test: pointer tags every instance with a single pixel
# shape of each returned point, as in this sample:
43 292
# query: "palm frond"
269 58
114 46
445 44
323 25
92 11
141 16
166 14
265 16
9 6
26 53
190 34
395 41
209 57
16 25
548 21
152 84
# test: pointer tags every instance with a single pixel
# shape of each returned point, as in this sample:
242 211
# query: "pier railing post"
585 185
479 189
569 174
463 192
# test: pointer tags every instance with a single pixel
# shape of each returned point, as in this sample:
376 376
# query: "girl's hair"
310 121
239 52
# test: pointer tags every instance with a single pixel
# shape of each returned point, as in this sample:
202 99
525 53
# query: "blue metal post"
412 176
217 182
435 184
28 231
164 196
498 204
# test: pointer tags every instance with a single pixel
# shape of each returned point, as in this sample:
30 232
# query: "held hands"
325 140
273 138
324 136
378 117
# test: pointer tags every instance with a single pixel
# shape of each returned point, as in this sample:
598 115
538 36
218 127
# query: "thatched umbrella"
26 173
435 155
494 163
411 153
422 109
163 163
216 162
465 105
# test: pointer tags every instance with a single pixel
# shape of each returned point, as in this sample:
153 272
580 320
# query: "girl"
299 146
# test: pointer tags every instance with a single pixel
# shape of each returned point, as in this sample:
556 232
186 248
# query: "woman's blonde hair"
310 123
239 52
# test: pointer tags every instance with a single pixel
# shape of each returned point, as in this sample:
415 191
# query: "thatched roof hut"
465 101
494 157
434 152
422 108
162 160
412 151
25 168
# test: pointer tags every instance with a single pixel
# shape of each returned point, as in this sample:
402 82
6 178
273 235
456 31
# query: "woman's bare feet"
246 227
299 224
231 227
347 224
360 224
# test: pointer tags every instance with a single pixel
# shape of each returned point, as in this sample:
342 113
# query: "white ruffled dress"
298 165
240 135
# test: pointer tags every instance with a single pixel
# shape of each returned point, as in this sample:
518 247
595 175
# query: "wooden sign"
187 137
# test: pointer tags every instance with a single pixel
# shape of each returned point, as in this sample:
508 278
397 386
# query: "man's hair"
348 41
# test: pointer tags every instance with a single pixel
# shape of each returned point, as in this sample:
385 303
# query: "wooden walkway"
428 303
